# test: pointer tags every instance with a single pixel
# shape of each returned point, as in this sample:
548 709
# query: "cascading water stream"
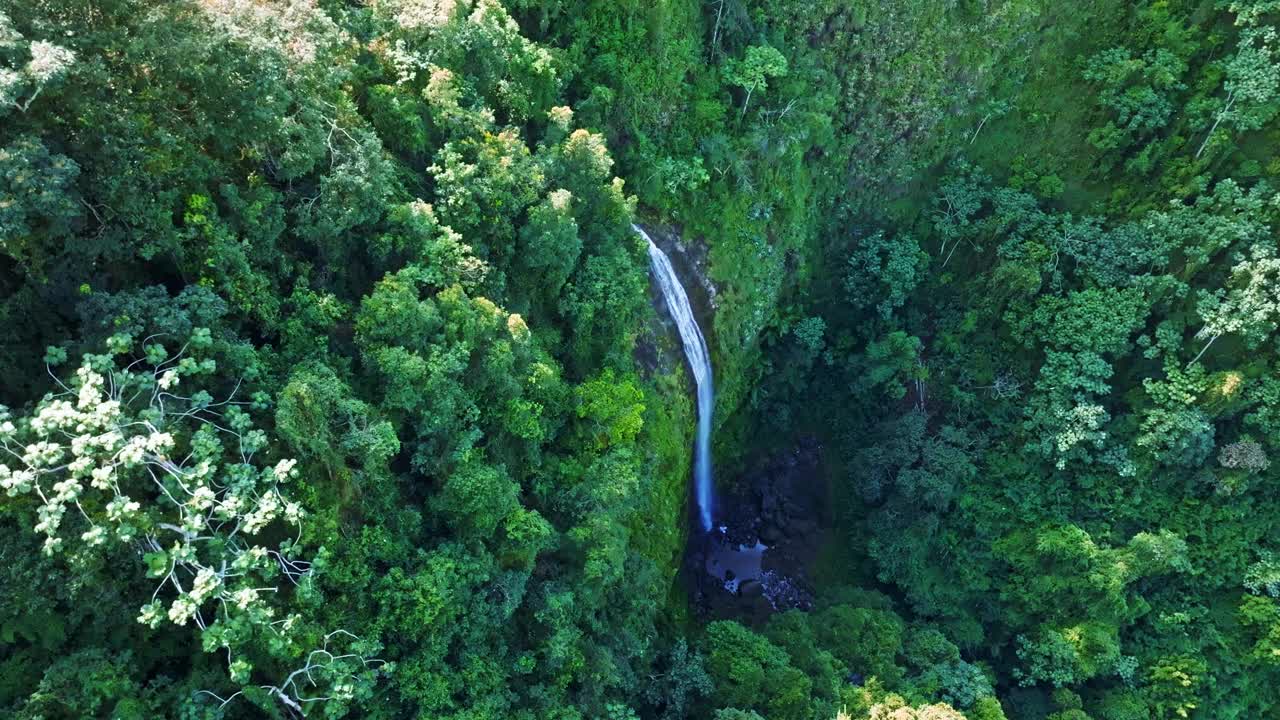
695 350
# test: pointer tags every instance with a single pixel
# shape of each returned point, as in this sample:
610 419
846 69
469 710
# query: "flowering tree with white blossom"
47 62
126 453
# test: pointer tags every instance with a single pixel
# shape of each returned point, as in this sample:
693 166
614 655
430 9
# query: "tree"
46 63
477 498
1261 615
1252 84
866 640
122 456
484 184
319 417
956 206
1095 320
453 370
1064 415
889 363
1173 685
41 205
752 673
611 409
753 70
1074 591
894 707
1119 256
884 268
1137 92
1244 455
1250 307
549 249
683 681
1229 216
1263 576
810 339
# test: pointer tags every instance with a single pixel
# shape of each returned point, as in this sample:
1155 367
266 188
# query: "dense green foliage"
411 268
333 384
1073 322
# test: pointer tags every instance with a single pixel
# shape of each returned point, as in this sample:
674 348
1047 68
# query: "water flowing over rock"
695 350
769 530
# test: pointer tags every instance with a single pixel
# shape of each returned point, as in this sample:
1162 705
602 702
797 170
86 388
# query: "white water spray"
695 350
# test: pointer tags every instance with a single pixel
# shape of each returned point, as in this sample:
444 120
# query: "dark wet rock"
780 503
770 535
802 528
689 258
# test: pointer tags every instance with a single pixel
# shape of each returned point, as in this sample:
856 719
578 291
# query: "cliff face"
670 412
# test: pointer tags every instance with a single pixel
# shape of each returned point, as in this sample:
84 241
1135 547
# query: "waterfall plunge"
695 350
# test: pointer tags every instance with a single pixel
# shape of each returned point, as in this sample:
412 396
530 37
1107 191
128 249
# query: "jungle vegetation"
322 393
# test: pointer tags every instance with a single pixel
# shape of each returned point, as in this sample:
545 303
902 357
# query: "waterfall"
695 350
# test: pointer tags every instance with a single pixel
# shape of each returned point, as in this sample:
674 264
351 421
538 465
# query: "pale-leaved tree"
26 68
134 449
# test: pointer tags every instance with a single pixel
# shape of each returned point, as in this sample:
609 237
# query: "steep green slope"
1048 378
